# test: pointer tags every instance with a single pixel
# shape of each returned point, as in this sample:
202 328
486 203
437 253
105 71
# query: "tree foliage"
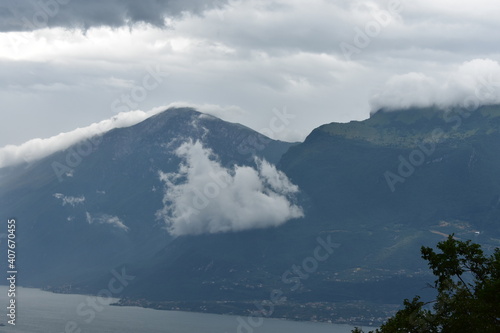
468 300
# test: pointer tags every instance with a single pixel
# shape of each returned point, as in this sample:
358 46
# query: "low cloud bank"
38 148
203 197
472 84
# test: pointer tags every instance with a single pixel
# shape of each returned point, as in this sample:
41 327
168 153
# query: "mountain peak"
177 111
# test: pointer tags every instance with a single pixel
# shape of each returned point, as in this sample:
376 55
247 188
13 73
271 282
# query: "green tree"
468 300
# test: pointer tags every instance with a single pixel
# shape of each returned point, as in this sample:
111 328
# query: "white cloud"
107 219
36 149
252 55
204 197
39 148
471 84
68 200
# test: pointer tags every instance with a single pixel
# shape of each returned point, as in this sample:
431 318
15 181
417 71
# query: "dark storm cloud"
243 57
22 15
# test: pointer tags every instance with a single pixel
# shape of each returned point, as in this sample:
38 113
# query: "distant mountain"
403 179
414 167
92 207
372 191
380 188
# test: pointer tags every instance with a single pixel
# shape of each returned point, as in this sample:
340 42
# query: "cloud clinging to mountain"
35 149
204 197
472 84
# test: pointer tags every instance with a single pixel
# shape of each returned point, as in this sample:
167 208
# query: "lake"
45 312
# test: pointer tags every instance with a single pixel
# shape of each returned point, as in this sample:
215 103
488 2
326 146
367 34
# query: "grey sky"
240 60
25 15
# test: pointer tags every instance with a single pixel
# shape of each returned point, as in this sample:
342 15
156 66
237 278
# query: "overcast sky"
66 64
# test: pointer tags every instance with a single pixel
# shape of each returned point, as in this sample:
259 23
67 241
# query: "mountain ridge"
340 170
118 178
405 127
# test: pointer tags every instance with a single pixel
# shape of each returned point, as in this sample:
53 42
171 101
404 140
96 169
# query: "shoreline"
346 313
317 312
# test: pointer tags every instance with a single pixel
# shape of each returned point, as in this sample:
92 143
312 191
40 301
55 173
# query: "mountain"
380 188
92 207
372 192
416 167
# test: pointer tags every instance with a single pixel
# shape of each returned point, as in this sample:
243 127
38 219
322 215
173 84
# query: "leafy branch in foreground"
468 286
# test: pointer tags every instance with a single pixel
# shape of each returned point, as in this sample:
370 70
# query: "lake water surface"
45 312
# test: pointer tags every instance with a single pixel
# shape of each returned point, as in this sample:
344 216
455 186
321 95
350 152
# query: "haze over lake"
40 311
